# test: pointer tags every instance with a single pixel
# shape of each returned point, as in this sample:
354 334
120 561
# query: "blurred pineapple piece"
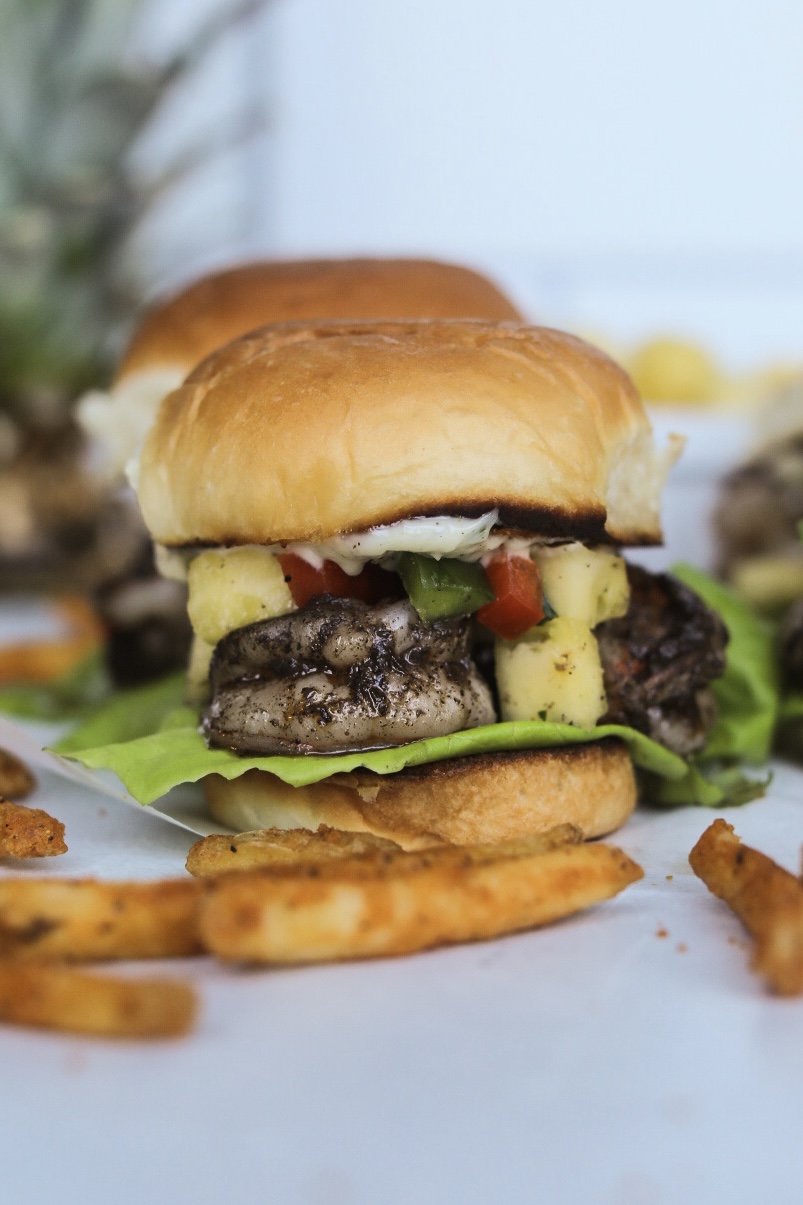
768 391
553 673
677 371
770 583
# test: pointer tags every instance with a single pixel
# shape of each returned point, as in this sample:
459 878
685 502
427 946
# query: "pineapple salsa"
549 673
539 604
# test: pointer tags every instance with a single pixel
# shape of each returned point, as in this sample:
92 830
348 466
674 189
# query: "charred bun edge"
364 423
587 528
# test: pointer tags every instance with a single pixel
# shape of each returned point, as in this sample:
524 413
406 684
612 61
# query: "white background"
549 129
624 167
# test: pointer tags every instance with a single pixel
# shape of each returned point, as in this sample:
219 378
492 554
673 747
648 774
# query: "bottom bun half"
463 801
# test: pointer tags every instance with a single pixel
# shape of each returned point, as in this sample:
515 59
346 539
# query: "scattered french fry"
29 832
273 846
16 780
766 898
77 920
279 847
72 1001
403 902
341 896
537 843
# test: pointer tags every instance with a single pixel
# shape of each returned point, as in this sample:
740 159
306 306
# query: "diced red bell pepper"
305 581
519 602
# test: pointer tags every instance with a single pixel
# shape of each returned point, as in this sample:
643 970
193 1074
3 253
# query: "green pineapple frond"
73 104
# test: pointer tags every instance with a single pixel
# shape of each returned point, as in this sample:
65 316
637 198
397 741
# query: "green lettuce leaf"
151 765
152 742
748 692
130 714
710 784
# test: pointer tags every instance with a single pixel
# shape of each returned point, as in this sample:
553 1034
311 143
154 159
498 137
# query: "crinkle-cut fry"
16 780
275 846
77 920
364 908
72 1001
29 832
46 660
767 899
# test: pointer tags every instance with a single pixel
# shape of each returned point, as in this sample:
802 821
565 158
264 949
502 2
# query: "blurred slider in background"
145 615
760 509
722 410
758 525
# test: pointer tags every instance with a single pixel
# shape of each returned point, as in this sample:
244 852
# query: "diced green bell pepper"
441 589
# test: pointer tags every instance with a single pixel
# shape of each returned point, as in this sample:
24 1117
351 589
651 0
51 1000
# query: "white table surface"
626 1056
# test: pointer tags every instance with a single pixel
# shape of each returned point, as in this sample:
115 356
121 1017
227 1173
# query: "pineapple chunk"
583 583
770 582
553 673
231 587
198 670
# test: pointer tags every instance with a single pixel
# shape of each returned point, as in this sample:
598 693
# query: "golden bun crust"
304 431
484 798
187 327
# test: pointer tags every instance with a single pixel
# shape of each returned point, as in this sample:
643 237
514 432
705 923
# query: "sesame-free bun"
482 798
304 431
179 332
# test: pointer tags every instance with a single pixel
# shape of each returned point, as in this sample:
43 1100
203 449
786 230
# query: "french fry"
16 780
274 846
62 998
767 899
75 920
403 902
45 660
518 847
29 832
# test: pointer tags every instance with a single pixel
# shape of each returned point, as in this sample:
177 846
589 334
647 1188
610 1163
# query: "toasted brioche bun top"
301 432
181 331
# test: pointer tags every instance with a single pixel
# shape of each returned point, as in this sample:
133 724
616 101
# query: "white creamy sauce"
438 536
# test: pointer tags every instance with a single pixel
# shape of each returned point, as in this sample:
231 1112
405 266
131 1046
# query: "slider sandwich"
145 616
758 525
402 542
